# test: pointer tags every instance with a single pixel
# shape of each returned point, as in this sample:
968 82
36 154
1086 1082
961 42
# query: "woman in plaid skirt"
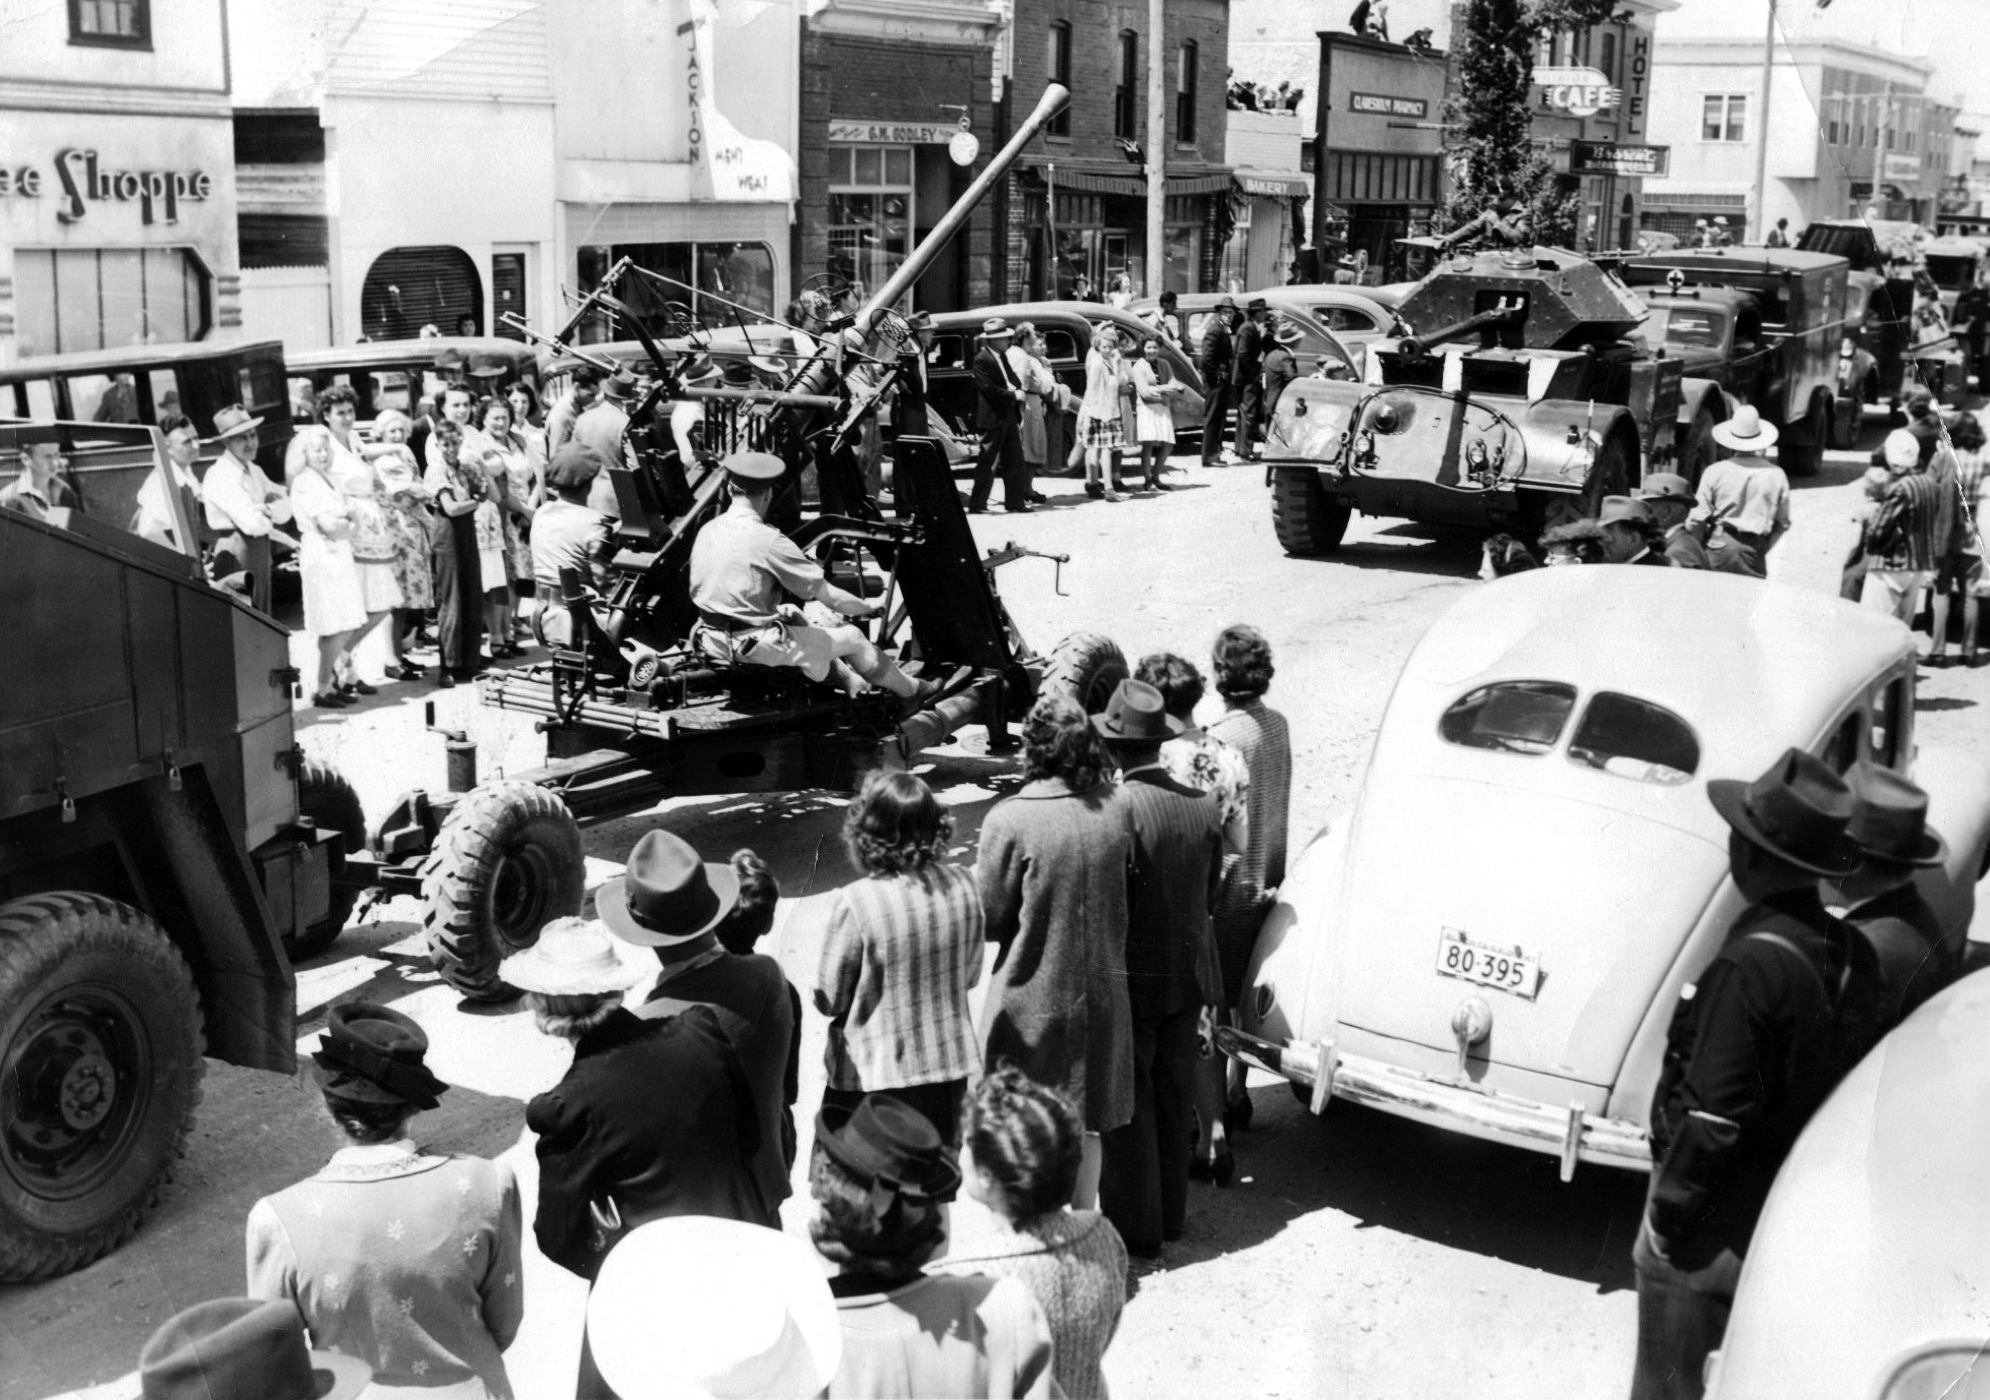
1099 426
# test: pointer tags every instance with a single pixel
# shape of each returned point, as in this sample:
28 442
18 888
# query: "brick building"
1076 204
885 85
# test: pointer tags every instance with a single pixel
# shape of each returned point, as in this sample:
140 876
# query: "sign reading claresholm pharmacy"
1610 158
892 133
1377 104
86 181
1581 92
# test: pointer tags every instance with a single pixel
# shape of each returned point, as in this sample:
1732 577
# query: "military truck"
1879 297
164 851
1519 398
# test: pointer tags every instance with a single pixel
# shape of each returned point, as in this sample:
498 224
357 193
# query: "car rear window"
1513 716
1635 739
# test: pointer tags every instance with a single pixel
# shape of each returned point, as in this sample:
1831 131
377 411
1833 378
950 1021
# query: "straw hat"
1746 432
575 957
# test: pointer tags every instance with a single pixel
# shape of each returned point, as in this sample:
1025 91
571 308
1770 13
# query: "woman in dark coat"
1053 876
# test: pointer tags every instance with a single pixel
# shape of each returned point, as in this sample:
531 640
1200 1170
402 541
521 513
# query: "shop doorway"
409 289
507 293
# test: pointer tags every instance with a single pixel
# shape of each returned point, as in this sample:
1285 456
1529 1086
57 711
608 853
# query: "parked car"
1494 936
1954 265
1338 322
1866 1274
397 374
1879 299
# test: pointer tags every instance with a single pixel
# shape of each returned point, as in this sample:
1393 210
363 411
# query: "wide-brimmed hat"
374 1054
696 369
1798 811
1136 714
487 370
1890 817
1616 510
994 328
770 366
1665 486
234 419
575 958
754 466
891 1145
1746 432
696 1307
1288 334
667 894
228 1347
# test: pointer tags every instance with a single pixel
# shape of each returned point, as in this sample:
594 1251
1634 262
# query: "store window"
1125 110
69 299
703 284
1722 116
1057 64
1186 59
409 289
1607 59
119 24
870 212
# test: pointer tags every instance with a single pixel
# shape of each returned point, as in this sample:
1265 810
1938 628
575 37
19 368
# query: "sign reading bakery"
80 180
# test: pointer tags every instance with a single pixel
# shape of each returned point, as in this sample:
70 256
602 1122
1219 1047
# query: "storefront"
1268 202
1094 226
1378 166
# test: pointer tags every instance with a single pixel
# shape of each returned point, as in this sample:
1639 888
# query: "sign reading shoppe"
84 180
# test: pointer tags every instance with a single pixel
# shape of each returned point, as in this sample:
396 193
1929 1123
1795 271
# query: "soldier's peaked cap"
755 466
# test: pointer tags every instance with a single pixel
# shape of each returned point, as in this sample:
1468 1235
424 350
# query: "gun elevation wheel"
506 862
330 802
1088 667
1305 520
100 1065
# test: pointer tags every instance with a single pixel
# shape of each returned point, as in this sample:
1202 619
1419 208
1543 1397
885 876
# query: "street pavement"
1356 1254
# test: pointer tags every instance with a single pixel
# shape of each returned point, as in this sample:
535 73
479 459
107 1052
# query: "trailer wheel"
324 795
506 862
1609 475
1306 522
100 1065
1088 667
1801 451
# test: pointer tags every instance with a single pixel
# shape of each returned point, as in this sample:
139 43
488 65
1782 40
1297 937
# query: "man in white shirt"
39 488
243 508
154 518
1744 500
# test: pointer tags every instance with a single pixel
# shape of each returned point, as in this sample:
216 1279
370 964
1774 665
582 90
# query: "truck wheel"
330 802
1801 451
1088 667
1698 448
1609 475
1847 417
506 862
1307 523
100 1065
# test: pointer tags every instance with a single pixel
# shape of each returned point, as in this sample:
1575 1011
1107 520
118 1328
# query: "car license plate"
1508 969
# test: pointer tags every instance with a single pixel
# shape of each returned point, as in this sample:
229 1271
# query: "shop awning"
1126 179
1274 184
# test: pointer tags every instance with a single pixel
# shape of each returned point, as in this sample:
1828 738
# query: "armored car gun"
1521 396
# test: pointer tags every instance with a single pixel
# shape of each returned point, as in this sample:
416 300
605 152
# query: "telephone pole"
1762 131
1157 146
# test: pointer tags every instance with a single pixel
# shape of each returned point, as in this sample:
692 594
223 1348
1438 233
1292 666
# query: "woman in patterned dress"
502 455
406 1259
411 520
1242 662
1100 429
528 487
372 540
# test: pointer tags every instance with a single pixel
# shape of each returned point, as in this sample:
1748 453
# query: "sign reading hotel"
1377 104
1581 92
84 180
870 133
1610 158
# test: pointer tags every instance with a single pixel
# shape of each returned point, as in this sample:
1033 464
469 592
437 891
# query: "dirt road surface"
1356 1255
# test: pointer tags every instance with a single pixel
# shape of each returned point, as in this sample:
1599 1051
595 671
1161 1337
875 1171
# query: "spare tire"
507 861
1088 667
331 803
1305 521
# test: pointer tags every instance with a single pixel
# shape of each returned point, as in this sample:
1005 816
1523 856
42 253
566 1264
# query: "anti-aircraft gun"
633 714
1520 397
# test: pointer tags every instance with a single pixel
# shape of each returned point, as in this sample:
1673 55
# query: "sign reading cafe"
84 180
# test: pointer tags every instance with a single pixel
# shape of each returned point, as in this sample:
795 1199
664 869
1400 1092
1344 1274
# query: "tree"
1487 120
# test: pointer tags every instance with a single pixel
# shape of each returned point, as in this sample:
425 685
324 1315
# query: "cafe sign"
1581 92
83 180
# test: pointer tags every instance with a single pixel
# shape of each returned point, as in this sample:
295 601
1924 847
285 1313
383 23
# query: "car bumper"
1568 1133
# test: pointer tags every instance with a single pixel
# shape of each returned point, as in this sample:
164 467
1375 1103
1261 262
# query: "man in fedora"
243 506
1215 362
1788 1005
603 427
1890 827
242 1347
908 407
1171 969
583 384
1247 377
1744 500
1670 500
999 419
1630 532
671 902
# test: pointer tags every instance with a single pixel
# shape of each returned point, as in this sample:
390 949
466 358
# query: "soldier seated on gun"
1503 224
740 566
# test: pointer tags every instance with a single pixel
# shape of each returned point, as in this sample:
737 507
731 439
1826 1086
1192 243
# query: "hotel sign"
1376 104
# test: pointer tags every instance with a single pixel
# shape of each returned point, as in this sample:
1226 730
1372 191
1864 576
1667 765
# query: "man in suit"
1670 499
1631 534
1789 1004
999 420
1171 969
1247 378
1215 363
1890 827
909 412
671 902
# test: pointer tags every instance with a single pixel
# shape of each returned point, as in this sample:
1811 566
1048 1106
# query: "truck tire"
1609 475
1801 450
1087 667
1697 447
1306 521
100 1065
324 795
506 862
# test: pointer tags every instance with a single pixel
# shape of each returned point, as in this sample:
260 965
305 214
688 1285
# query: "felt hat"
771 366
1890 817
449 360
573 466
243 1347
1288 333
374 1054
487 371
1624 510
754 466
619 385
667 894
234 419
697 369
1226 303
692 1307
1665 486
994 328
891 1145
1746 432
920 320
1258 304
1798 811
575 957
737 372
1136 714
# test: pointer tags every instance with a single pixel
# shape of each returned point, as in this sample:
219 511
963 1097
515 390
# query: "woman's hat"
696 1308
1746 432
1798 811
234 419
1136 714
372 1054
668 895
243 1347
575 958
1890 817
891 1145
